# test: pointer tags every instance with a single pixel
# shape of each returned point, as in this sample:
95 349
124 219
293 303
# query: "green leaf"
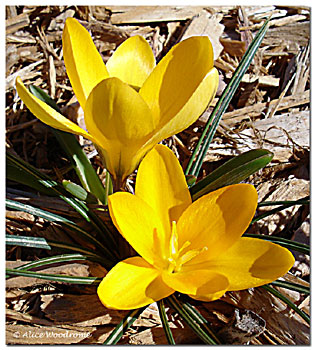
28 242
100 227
43 243
123 326
286 243
288 302
195 325
26 169
292 286
57 259
222 104
231 172
193 312
39 93
55 277
164 321
60 220
18 174
108 186
79 192
190 180
303 201
80 162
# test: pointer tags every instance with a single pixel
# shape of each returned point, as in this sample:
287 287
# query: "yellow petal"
208 293
132 61
138 224
47 114
84 64
252 262
197 282
131 284
117 115
176 77
161 184
191 111
217 220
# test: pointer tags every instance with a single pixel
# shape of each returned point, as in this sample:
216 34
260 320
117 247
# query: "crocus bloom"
130 104
193 248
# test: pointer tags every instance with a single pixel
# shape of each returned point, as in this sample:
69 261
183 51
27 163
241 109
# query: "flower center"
178 257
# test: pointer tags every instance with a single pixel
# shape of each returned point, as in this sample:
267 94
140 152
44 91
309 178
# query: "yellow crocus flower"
130 104
193 248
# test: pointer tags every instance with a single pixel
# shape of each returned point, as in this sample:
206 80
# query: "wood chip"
79 310
234 47
206 24
283 221
13 24
264 81
291 36
146 14
282 129
260 109
25 73
282 21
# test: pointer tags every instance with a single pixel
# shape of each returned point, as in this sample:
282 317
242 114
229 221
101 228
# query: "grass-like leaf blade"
80 162
231 172
165 324
123 326
79 192
43 243
26 169
55 277
201 148
287 301
28 242
100 227
194 313
303 201
286 243
60 220
292 286
17 173
191 322
57 259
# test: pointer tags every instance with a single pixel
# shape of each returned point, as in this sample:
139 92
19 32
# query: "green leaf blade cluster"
232 172
80 162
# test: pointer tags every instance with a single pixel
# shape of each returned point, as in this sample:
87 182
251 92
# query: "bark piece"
234 47
288 219
291 36
259 109
147 14
207 24
79 310
13 24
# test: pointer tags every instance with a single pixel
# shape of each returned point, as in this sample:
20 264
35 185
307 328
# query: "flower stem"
119 185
